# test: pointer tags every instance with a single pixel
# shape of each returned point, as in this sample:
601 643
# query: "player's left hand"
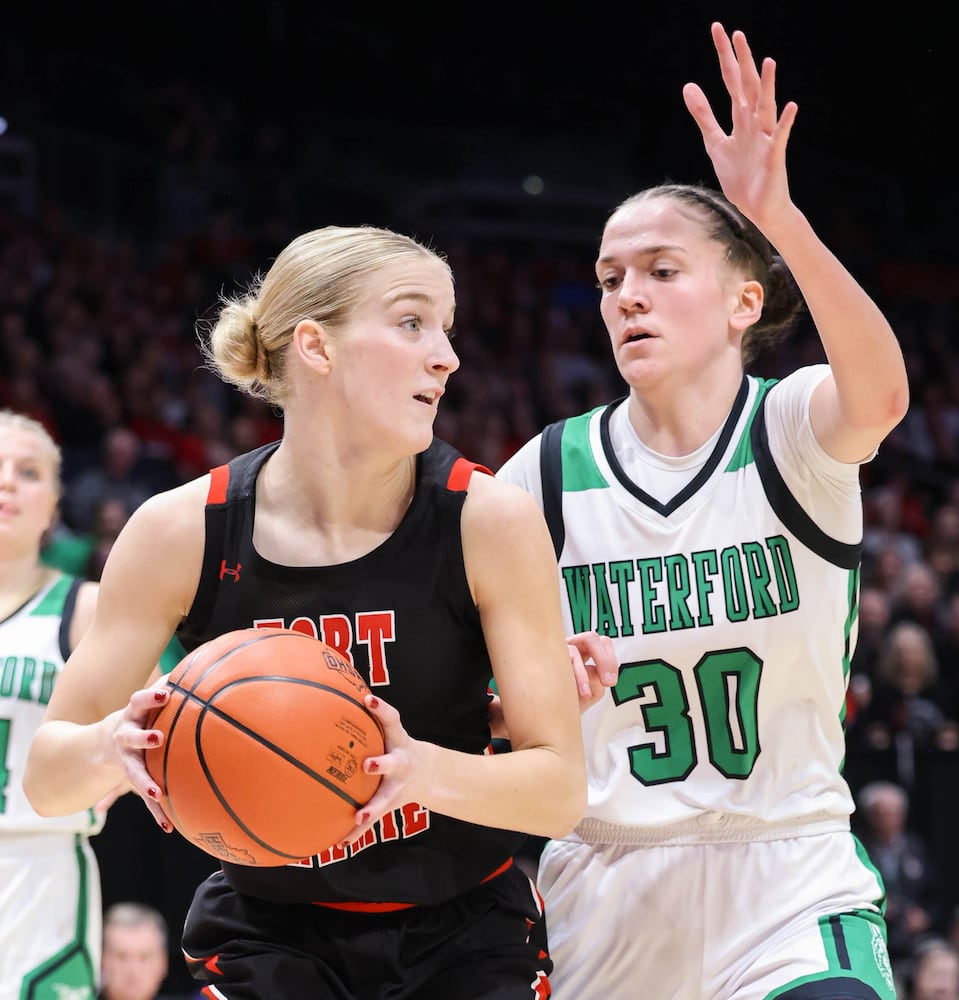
750 161
402 767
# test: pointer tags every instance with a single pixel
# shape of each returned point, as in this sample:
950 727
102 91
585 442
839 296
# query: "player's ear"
312 344
748 306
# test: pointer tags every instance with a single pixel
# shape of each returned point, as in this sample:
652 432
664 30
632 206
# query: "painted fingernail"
374 701
153 739
372 766
364 818
159 695
165 826
153 792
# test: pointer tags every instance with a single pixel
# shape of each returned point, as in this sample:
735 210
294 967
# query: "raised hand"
749 161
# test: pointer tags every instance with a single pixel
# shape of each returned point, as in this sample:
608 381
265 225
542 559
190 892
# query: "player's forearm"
860 345
539 790
67 768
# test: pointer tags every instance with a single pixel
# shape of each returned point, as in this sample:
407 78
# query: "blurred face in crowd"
134 962
937 977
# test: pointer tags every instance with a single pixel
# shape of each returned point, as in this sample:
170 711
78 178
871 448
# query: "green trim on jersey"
855 947
743 455
852 596
580 471
70 972
863 856
52 603
172 655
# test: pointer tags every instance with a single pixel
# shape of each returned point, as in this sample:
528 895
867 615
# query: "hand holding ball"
265 735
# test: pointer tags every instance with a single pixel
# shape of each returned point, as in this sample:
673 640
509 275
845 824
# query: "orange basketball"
265 737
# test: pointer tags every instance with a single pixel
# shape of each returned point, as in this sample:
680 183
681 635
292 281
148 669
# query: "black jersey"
404 616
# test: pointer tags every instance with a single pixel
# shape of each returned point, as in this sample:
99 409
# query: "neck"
20 579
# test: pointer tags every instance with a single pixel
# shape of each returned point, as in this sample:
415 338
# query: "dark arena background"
153 155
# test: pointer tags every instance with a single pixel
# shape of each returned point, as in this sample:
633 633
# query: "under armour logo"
233 571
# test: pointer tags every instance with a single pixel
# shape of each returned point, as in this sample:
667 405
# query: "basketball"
265 734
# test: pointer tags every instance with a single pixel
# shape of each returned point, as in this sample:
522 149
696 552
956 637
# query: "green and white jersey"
33 648
728 581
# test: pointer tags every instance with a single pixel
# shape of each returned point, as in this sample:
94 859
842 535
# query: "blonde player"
709 524
50 910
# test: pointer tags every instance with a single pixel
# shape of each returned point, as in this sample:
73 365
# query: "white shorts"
730 921
50 917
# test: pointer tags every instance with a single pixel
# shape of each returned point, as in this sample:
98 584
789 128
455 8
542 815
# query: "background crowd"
117 233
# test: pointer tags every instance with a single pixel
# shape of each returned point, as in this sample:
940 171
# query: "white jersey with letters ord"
728 581
33 648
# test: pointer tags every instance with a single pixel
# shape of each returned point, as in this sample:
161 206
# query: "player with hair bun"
427 573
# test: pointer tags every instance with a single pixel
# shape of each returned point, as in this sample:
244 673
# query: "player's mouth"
432 397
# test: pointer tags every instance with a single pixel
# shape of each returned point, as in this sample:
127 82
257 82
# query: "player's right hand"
593 659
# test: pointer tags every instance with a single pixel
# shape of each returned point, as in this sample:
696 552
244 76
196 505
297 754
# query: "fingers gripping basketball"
265 737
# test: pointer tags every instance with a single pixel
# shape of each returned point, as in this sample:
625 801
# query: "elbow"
898 405
33 789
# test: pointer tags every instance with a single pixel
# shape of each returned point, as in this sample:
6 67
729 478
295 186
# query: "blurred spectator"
942 546
117 475
111 515
135 960
887 523
903 859
934 972
909 708
874 617
885 568
918 597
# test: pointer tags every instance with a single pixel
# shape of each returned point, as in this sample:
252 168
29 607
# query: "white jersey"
732 604
33 648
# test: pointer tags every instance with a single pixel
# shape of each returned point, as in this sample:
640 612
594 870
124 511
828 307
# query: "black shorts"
488 944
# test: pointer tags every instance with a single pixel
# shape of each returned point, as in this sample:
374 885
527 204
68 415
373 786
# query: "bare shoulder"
499 503
502 519
173 516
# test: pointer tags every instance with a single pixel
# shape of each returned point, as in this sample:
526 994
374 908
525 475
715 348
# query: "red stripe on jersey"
459 476
499 871
368 907
219 480
393 907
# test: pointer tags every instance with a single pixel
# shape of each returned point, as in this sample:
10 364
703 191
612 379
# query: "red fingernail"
159 695
165 826
364 818
372 766
374 701
153 739
153 792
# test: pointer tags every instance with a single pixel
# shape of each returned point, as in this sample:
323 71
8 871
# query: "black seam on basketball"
215 788
264 634
279 751
240 727
190 693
